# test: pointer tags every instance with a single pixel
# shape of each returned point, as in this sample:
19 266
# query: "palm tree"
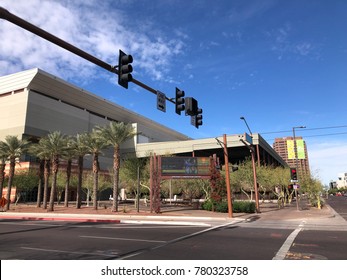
55 144
41 173
115 134
79 147
2 172
12 148
69 154
39 150
95 144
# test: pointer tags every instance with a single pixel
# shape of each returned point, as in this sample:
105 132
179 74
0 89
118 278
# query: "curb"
67 219
163 220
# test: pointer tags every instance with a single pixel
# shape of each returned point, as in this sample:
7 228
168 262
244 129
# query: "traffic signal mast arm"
123 77
5 14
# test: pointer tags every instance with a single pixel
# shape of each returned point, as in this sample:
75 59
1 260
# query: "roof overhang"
237 150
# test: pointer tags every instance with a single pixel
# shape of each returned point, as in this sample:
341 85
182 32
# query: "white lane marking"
126 256
66 252
117 226
177 223
124 239
282 252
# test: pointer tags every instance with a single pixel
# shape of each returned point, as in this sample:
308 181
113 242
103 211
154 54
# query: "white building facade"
341 180
34 103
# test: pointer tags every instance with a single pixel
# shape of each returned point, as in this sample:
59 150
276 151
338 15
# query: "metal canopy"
237 151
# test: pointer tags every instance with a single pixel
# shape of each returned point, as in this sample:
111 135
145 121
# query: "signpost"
176 168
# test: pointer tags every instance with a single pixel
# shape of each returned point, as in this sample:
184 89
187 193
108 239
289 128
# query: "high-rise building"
286 149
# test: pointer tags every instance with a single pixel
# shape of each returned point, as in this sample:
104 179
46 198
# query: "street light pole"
296 165
252 150
224 145
243 118
227 177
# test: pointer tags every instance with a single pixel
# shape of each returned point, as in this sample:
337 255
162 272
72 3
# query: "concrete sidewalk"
169 215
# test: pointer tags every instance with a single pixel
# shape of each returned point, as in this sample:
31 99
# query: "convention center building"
34 103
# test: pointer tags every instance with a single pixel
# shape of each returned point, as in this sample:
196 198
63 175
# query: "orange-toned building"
293 157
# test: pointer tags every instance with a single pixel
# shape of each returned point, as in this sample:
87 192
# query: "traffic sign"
294 181
161 101
248 138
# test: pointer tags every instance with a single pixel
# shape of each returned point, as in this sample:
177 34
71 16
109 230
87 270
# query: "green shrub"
314 202
207 205
242 206
238 206
222 207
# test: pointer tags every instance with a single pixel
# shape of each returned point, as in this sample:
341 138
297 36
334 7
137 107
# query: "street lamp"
243 118
296 164
252 150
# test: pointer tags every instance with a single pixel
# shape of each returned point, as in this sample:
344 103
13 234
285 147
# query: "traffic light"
191 106
198 118
179 105
293 174
124 69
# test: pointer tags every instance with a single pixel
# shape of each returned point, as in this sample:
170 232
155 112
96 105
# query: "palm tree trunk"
68 176
55 164
116 166
96 180
45 188
52 195
79 183
2 176
41 183
9 185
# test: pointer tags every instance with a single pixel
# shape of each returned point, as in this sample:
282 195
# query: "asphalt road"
329 243
241 240
59 240
339 204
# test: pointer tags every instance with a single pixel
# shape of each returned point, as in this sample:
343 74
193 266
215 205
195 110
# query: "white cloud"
328 159
303 48
283 43
89 25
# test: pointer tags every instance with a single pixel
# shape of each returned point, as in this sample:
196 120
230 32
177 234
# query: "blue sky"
278 63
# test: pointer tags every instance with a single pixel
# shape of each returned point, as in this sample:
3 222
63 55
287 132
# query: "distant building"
341 180
332 185
285 148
